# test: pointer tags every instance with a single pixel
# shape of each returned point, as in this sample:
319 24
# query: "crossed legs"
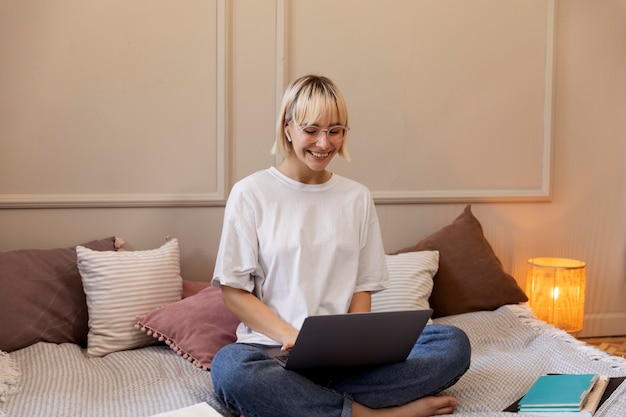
246 379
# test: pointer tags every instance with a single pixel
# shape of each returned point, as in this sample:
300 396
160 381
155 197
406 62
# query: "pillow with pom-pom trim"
195 327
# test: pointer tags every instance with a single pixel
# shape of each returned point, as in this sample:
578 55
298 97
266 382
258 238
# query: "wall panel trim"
209 199
541 193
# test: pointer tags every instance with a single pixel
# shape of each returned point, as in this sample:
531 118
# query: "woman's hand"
289 339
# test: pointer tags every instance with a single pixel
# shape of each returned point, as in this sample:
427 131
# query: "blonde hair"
306 100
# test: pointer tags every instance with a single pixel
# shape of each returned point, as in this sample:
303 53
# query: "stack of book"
564 393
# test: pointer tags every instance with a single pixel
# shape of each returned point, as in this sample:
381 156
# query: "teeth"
319 155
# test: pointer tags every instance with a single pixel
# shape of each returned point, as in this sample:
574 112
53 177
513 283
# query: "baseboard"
605 324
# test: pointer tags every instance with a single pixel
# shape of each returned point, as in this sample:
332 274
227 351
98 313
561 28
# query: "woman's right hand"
289 339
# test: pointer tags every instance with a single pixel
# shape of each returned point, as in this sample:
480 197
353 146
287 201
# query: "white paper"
196 410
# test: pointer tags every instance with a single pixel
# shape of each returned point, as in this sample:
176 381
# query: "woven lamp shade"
556 291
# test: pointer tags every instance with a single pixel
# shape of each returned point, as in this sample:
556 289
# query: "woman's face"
313 146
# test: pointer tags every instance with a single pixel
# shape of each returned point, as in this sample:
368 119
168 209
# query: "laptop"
357 339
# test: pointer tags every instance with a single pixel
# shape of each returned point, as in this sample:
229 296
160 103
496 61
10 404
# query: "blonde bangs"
316 103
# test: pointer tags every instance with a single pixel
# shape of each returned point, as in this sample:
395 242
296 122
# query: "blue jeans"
249 381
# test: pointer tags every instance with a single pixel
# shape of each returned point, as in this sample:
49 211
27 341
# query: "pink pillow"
195 327
193 287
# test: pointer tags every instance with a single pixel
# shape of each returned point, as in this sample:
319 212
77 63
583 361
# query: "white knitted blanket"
9 376
510 349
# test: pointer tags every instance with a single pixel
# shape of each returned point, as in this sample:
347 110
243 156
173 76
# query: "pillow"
195 327
470 276
42 296
411 276
193 287
121 285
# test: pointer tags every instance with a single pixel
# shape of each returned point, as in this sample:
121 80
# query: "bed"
94 330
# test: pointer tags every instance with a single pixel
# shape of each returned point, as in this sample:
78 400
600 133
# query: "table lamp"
556 291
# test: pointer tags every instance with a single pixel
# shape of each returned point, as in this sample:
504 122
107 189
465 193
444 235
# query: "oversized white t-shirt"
302 249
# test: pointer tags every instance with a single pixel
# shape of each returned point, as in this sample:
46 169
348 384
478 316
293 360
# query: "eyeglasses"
334 134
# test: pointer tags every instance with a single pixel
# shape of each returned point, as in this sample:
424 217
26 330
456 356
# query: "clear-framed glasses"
312 133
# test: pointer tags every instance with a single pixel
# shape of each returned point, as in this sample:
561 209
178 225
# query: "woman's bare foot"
424 407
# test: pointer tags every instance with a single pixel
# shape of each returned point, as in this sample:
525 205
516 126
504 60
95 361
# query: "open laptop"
356 339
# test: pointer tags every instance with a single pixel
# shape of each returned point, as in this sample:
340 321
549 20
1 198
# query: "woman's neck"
303 175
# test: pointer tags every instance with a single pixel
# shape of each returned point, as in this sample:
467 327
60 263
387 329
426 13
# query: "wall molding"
540 194
603 324
460 196
282 76
111 200
282 24
208 199
223 104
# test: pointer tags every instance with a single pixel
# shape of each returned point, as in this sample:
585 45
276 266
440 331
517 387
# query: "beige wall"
134 118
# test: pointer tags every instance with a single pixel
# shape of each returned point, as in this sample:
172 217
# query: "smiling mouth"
319 155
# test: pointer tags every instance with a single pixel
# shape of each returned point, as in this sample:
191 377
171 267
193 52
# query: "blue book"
563 392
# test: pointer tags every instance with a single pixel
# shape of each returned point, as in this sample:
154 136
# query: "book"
598 390
600 393
560 392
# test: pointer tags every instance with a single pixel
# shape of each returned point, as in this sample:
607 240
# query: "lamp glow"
556 291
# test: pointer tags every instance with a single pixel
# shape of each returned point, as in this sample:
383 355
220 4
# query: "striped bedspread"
60 381
510 350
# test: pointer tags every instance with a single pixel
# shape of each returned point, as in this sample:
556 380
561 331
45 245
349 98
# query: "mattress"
510 349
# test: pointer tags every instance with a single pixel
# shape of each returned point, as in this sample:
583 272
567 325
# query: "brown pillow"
195 327
42 296
470 275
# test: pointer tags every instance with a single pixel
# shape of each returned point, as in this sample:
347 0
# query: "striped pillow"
411 276
123 285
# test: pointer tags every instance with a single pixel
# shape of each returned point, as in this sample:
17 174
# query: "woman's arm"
256 315
361 302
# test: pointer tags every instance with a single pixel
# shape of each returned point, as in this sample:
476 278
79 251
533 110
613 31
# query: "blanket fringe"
9 377
525 313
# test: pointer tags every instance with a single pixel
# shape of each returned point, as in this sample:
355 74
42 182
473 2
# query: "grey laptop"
356 339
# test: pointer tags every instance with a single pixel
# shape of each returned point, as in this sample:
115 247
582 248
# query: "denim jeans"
249 381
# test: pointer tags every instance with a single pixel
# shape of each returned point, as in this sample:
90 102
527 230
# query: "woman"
299 240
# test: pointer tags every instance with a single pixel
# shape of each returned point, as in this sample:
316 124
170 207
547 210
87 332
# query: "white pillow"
122 285
411 275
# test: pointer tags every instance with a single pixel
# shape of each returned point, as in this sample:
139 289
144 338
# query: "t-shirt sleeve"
236 264
373 275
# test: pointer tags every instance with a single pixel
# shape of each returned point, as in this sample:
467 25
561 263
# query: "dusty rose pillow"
195 327
193 287
42 296
470 275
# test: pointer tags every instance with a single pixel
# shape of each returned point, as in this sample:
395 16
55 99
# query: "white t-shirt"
302 249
